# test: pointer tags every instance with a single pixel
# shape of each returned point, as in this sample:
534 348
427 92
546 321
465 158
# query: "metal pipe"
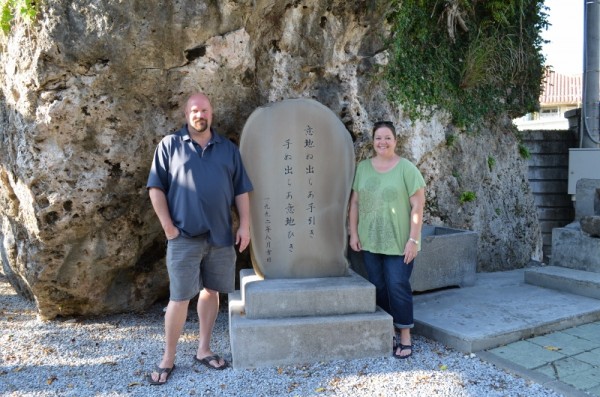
590 114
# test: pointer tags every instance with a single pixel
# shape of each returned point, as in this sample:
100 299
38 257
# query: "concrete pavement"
549 336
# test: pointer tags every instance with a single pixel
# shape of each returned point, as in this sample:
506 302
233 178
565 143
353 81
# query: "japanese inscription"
306 213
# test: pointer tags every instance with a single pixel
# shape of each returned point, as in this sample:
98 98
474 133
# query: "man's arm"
242 236
161 207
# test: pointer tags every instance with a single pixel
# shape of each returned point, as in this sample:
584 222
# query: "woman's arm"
417 203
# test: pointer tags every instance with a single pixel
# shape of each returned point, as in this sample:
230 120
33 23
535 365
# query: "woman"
386 216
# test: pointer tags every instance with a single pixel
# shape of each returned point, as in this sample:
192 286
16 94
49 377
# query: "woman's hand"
411 250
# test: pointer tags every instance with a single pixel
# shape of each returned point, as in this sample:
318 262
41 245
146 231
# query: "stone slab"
527 354
573 249
585 197
564 367
298 207
273 298
499 309
296 340
567 344
590 332
577 282
584 380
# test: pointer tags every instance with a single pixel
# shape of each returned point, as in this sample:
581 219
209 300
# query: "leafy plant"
473 59
524 152
491 162
12 10
467 197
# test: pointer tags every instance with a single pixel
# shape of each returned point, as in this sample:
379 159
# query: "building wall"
550 117
548 178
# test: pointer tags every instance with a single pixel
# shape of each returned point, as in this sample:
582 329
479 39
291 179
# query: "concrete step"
574 281
275 298
295 340
499 309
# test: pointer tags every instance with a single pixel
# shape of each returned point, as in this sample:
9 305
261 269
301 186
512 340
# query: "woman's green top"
384 206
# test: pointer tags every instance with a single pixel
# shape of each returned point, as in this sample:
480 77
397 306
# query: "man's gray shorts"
194 264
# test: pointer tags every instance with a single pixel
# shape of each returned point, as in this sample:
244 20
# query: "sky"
565 50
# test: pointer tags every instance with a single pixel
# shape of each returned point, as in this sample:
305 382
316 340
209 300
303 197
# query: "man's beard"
203 125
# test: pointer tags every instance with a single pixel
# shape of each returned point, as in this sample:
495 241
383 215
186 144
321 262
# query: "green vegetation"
491 162
524 152
473 59
450 140
14 10
467 197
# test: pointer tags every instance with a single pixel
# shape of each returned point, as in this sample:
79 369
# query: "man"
196 176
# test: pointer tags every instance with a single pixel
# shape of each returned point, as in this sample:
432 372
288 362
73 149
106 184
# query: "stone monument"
301 303
300 158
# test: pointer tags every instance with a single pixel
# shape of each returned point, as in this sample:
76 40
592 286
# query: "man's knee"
179 305
210 292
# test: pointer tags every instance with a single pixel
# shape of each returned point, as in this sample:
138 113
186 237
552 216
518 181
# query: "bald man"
196 177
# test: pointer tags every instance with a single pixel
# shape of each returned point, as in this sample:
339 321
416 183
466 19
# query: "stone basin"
448 258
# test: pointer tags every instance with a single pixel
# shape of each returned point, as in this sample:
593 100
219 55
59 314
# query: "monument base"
337 325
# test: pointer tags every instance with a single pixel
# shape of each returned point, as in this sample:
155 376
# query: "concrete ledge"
475 343
293 340
573 249
276 298
499 309
577 282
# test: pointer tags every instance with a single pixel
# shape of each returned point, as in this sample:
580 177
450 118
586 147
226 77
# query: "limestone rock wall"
89 91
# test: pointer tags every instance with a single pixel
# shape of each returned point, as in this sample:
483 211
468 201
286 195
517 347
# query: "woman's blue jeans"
391 277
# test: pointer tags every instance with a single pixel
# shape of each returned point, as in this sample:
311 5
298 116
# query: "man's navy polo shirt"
200 185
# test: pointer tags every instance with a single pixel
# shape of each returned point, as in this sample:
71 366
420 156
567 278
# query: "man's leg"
174 322
208 309
218 274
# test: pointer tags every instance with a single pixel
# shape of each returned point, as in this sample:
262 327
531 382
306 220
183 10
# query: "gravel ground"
110 356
